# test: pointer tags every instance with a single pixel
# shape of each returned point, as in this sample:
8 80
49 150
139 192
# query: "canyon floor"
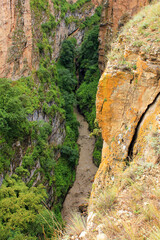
77 196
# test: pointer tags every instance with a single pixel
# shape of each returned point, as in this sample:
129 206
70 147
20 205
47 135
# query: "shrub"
97 150
47 27
67 54
106 199
67 81
13 121
70 154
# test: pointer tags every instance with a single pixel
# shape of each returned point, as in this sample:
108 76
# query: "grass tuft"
76 225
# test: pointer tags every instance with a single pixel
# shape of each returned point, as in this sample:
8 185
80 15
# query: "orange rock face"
147 143
15 39
128 102
114 15
121 103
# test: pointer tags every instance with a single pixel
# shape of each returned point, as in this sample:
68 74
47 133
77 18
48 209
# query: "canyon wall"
128 101
31 36
15 38
20 31
128 114
115 14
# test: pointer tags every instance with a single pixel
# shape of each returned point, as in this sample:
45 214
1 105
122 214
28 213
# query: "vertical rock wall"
128 109
20 30
15 38
114 14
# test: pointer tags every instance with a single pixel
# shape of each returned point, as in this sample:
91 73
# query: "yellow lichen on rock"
127 91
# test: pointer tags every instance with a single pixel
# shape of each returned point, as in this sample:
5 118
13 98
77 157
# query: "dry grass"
105 200
138 35
130 209
76 224
155 234
154 139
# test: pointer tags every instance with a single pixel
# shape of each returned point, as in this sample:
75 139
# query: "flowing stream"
77 196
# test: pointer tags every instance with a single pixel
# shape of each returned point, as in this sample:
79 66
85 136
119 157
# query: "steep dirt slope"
85 172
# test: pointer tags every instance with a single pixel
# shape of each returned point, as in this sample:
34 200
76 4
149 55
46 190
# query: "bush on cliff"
13 121
67 54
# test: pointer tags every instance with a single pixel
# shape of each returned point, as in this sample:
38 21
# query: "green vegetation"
66 80
29 108
19 209
63 6
93 20
40 4
40 92
62 77
13 122
47 27
23 97
67 55
88 75
97 155
18 99
78 4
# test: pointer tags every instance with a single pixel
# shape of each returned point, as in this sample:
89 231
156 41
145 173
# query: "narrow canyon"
78 195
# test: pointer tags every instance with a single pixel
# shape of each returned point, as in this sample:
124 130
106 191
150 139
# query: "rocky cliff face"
114 15
124 102
15 38
128 95
124 203
20 28
128 112
70 29
31 33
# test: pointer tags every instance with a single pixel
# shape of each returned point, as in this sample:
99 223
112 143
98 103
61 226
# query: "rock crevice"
131 146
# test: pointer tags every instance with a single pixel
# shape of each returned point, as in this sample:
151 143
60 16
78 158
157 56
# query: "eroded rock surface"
20 31
128 97
15 38
127 107
114 15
